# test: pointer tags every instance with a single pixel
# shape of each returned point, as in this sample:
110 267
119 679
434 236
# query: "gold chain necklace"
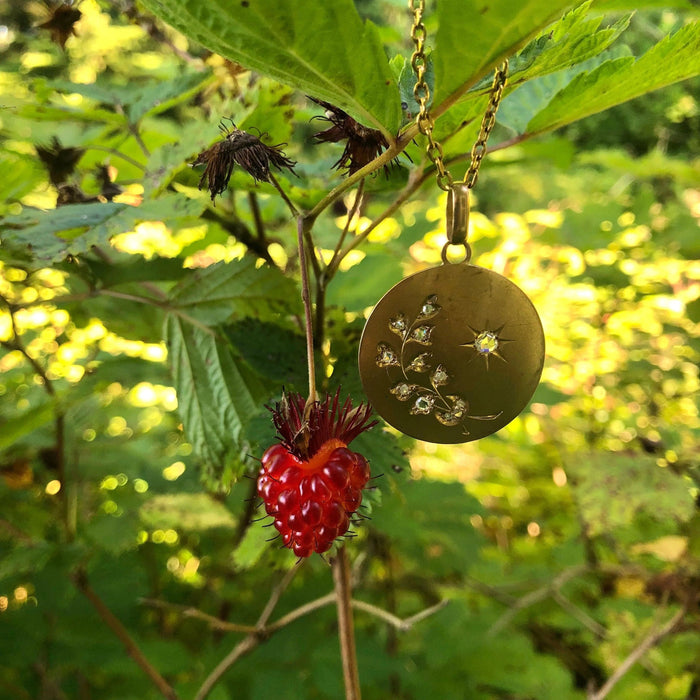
453 353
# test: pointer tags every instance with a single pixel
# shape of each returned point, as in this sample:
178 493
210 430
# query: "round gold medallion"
451 354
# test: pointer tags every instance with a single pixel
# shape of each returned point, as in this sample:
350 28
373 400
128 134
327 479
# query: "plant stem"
118 154
308 323
108 617
59 419
283 194
346 632
246 645
651 640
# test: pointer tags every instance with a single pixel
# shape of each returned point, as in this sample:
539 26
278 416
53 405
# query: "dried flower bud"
239 147
59 161
363 144
61 22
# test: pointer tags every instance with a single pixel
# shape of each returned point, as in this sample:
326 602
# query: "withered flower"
239 147
363 144
61 23
109 190
59 161
72 194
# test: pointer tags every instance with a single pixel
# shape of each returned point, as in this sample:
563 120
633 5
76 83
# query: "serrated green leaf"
323 49
72 230
527 100
276 353
675 58
185 511
218 293
573 40
473 35
217 393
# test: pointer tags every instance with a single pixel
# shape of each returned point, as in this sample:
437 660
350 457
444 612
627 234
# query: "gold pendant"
454 353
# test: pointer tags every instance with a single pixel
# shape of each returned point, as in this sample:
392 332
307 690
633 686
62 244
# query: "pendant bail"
457 216
457 213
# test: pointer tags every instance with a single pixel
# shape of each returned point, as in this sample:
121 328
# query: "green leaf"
14 429
237 289
72 230
612 489
20 175
158 269
320 48
186 511
218 394
473 35
26 559
357 288
252 546
274 352
633 5
675 58
527 100
163 95
571 41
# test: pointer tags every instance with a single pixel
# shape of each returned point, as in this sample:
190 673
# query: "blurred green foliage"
560 543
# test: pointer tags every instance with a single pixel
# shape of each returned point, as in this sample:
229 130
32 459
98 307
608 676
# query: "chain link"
421 92
425 123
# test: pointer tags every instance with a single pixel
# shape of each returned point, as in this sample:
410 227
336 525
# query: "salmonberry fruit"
310 482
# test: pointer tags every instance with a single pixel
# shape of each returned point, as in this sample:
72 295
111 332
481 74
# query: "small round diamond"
486 342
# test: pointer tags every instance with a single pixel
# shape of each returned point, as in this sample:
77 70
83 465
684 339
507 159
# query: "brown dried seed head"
61 23
363 144
239 148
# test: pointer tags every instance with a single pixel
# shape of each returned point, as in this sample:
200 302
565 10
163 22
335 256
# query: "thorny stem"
346 632
108 617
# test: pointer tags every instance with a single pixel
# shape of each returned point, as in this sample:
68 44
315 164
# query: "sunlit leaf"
186 511
674 58
289 41
217 393
72 230
474 35
228 291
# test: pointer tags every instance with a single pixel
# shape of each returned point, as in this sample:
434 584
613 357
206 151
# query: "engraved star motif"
487 344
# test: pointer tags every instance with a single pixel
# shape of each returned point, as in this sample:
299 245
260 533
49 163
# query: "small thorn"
269 524
272 539
372 478
257 520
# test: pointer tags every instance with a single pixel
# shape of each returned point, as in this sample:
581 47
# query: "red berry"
312 492
312 501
